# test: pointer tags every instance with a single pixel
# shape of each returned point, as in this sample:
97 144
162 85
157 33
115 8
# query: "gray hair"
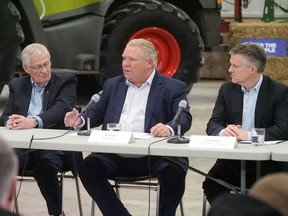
148 49
31 50
8 170
253 54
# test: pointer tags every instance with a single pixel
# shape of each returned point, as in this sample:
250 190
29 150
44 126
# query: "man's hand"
71 118
160 130
235 131
17 122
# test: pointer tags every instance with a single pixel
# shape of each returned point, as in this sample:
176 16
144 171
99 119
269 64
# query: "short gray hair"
253 54
8 169
31 50
148 49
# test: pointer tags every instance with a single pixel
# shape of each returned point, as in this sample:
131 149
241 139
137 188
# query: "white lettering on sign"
269 47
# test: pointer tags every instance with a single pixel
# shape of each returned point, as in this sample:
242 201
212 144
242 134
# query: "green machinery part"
268 13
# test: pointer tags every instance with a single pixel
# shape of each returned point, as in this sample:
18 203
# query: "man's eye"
37 67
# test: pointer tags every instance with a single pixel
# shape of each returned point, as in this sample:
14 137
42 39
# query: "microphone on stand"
182 105
94 99
176 121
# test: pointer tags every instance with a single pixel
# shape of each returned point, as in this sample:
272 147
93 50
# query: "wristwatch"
35 122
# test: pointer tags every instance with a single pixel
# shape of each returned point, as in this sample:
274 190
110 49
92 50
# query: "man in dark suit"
40 100
142 100
250 100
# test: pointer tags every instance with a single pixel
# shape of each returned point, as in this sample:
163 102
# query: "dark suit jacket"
59 97
271 110
162 105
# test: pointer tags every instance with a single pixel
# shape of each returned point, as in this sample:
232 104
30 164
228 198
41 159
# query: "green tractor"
87 37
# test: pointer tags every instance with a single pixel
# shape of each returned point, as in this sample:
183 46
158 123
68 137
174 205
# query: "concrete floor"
201 99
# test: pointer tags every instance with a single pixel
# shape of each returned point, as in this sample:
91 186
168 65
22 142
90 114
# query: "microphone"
94 99
182 105
179 139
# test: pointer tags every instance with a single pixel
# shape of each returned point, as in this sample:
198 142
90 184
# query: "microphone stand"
86 132
178 138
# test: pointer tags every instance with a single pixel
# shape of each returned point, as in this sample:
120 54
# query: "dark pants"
45 166
229 171
97 168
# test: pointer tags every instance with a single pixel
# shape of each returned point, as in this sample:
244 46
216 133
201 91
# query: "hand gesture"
72 119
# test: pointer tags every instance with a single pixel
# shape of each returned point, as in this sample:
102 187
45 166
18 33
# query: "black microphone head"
95 98
183 103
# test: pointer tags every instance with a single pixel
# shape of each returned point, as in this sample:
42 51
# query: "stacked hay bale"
277 67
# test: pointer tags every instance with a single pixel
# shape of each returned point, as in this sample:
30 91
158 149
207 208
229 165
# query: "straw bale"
277 68
260 30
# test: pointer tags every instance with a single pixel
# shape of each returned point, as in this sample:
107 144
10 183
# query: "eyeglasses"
40 66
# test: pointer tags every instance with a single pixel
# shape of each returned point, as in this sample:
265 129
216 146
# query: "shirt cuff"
40 122
77 128
221 133
248 136
171 130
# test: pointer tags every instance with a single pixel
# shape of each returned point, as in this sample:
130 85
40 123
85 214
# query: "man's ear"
150 62
254 69
25 68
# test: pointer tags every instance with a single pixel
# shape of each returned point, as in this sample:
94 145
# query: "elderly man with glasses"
40 100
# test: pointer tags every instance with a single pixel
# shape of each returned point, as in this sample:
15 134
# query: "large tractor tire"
175 35
11 37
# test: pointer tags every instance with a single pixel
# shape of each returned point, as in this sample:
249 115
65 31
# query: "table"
72 142
68 142
280 152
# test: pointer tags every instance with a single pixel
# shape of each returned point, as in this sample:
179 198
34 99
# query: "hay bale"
259 30
277 68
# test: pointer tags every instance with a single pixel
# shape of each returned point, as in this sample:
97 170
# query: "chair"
142 182
73 161
204 205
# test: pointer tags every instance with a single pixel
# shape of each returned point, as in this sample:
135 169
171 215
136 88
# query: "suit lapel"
152 98
120 99
25 100
262 101
236 105
47 92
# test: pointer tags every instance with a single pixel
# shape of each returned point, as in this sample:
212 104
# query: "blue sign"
272 47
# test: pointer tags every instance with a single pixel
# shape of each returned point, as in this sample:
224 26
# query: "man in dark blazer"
142 100
58 96
40 100
250 100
